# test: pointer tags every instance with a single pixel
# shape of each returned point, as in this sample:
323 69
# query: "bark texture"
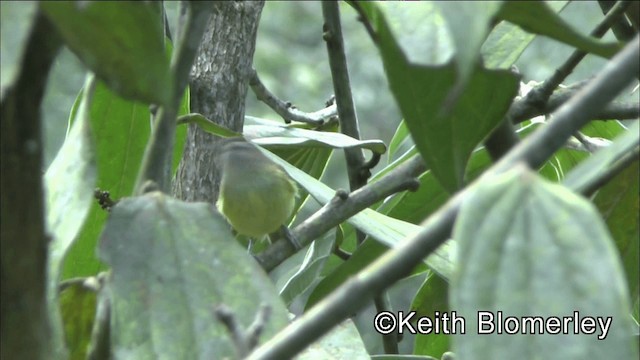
219 82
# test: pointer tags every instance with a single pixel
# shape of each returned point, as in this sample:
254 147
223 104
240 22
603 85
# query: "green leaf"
618 203
537 17
595 166
445 139
122 128
122 42
122 131
17 19
364 255
506 42
265 133
309 271
400 142
69 183
206 125
531 248
419 28
171 264
432 301
181 131
78 307
469 23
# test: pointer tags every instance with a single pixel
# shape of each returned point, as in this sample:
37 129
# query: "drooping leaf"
69 183
122 42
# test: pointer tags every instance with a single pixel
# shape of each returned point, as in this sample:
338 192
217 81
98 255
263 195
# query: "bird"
257 196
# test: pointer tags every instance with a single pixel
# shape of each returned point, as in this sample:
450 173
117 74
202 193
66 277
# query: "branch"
156 163
524 109
504 137
335 212
288 112
541 95
358 174
621 27
358 170
399 261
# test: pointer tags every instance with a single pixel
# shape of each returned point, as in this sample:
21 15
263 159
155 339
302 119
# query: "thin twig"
287 111
244 340
332 35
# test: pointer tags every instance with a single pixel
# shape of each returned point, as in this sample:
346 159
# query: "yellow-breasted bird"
257 196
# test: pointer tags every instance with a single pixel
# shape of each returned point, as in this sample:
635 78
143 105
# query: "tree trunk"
219 82
25 327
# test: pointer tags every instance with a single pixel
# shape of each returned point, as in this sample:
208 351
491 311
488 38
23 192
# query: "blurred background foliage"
291 60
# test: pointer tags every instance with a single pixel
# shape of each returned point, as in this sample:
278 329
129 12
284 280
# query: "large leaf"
532 248
69 183
171 264
444 138
122 42
17 18
122 130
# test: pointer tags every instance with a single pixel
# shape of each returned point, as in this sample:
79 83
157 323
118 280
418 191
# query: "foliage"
525 242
